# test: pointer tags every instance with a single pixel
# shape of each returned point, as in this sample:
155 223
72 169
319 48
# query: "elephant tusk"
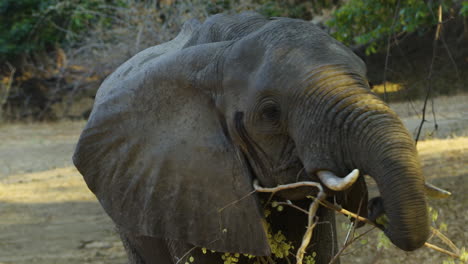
336 183
435 192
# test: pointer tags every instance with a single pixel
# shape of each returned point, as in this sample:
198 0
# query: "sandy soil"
49 216
47 213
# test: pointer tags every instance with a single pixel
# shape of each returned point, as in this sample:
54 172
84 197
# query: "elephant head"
179 132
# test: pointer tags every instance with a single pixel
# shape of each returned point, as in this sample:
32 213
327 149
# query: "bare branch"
4 98
5 94
282 187
335 258
236 201
429 83
311 221
434 247
395 16
428 245
185 255
446 240
340 210
293 206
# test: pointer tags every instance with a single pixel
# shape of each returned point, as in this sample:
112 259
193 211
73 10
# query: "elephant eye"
268 115
270 111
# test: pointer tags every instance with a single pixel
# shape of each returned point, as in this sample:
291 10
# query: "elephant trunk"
364 133
375 141
388 154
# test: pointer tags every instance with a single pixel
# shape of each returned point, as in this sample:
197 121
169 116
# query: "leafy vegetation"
294 9
371 22
33 25
37 25
464 9
46 40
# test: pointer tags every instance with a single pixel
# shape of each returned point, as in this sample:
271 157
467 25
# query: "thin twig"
335 258
395 16
293 206
351 232
429 83
428 245
348 234
446 240
186 254
451 58
432 246
339 209
436 126
311 223
4 98
321 200
236 201
282 187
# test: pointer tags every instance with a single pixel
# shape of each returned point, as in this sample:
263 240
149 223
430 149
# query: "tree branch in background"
6 88
428 79
395 16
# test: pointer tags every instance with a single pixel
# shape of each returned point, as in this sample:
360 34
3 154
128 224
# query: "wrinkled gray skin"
179 132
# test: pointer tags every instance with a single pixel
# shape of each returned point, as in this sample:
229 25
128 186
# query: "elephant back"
224 27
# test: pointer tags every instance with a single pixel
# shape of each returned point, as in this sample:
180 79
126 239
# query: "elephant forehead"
285 50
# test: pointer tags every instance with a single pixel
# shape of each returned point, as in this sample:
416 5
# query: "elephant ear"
187 32
157 155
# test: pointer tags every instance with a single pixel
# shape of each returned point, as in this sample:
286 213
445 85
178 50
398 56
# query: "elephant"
179 132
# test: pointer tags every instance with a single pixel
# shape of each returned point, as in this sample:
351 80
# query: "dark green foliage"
295 9
36 25
218 6
372 21
464 9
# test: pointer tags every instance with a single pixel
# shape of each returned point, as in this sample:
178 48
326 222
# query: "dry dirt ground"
47 214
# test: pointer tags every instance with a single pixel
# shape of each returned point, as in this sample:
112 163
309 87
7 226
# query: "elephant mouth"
256 160
326 178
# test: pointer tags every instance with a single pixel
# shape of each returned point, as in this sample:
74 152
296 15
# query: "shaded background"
54 54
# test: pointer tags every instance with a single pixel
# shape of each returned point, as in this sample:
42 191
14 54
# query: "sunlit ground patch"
51 186
389 87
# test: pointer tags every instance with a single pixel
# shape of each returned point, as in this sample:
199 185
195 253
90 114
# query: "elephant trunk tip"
409 241
405 236
409 244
